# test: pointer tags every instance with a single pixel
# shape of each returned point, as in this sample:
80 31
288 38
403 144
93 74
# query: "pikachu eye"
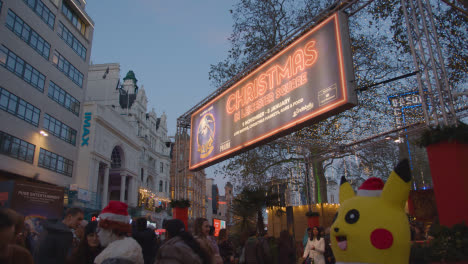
352 216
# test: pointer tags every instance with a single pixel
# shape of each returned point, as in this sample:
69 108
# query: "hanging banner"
217 226
309 80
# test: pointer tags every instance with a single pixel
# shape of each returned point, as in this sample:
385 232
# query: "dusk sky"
170 46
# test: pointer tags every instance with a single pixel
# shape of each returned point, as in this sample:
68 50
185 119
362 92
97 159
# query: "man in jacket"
55 242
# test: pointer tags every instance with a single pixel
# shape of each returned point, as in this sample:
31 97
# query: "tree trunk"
260 224
320 182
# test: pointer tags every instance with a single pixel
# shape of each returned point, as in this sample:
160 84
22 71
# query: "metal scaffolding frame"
428 63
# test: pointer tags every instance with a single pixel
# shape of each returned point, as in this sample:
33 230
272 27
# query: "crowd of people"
114 239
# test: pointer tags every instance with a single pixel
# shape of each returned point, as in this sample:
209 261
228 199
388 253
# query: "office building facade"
45 48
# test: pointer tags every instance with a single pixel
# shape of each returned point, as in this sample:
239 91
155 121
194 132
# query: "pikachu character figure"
372 227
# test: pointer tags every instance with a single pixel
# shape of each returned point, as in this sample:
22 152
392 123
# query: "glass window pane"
19 66
12 104
10 21
22 108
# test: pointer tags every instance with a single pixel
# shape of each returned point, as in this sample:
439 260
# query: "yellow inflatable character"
372 227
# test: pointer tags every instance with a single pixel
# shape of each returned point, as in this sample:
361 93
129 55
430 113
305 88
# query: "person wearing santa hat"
113 227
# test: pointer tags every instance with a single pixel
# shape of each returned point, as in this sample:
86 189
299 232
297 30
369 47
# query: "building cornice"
114 130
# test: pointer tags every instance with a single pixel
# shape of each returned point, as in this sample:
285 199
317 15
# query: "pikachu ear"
346 191
398 185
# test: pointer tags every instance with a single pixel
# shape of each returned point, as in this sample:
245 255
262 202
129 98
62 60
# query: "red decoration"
449 169
313 221
181 214
381 238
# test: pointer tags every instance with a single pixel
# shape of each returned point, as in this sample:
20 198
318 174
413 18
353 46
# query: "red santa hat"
115 216
371 187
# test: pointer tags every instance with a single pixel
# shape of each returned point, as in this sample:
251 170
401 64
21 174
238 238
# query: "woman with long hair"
315 248
202 232
180 246
88 248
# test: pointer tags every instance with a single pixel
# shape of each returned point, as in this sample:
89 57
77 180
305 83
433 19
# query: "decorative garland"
449 244
310 214
449 133
183 203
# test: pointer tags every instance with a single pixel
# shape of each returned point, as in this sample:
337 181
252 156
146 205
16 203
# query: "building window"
332 198
190 182
165 186
160 186
55 2
22 69
142 174
73 18
63 98
72 41
161 167
27 34
67 68
55 162
42 11
16 148
116 159
1 3
59 129
19 107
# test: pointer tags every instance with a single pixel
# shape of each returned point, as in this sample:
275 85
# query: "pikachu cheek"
381 238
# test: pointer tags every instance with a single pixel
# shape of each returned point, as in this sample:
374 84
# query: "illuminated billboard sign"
218 225
307 81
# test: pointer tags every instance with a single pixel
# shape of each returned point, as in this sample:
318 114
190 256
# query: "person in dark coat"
180 247
88 248
286 249
147 240
56 241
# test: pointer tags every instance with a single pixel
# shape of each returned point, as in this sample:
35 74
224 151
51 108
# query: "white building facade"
124 150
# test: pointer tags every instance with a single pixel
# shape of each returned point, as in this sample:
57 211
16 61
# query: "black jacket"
54 244
148 243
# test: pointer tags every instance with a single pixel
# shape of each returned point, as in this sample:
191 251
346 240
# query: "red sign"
217 226
307 81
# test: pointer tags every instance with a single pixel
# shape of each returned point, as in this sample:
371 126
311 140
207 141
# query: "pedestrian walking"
226 250
287 253
146 238
55 242
89 246
263 240
315 248
329 257
253 250
113 227
180 247
202 232
11 253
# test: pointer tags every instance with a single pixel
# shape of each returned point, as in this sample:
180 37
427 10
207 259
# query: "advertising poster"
38 199
6 189
307 81
217 226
